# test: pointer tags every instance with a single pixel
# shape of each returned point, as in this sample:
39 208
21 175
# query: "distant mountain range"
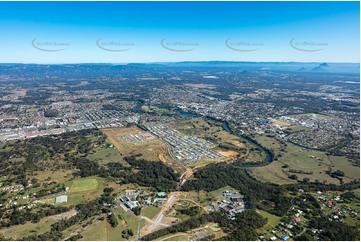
314 67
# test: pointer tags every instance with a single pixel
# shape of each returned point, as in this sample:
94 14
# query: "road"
152 222
159 217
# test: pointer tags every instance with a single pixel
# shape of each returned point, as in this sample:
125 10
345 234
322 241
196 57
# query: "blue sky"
123 32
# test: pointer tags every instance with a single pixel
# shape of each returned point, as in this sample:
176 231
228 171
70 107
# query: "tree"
112 219
293 177
137 210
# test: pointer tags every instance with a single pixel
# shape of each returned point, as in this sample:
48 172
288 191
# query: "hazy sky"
122 32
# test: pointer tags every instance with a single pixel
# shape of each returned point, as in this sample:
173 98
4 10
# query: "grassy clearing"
272 221
58 176
271 143
84 184
341 163
150 211
97 231
19 231
75 199
106 155
84 189
126 221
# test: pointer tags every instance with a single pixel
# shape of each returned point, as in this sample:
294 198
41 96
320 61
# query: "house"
284 237
227 193
161 194
236 199
148 201
132 204
329 203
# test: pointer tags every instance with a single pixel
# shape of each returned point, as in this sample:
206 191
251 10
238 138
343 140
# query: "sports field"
85 184
84 189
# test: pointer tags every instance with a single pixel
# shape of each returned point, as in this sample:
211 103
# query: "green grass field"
270 143
106 155
19 231
75 199
84 184
96 232
84 189
150 211
127 221
272 220
341 163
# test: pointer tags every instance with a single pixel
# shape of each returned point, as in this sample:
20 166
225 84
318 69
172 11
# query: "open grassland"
272 221
126 221
57 176
150 211
96 232
270 143
297 160
341 163
19 231
106 155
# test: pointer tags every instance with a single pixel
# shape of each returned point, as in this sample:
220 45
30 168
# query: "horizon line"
160 62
